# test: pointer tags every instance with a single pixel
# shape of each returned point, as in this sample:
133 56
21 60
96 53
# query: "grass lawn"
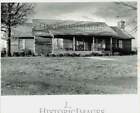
68 75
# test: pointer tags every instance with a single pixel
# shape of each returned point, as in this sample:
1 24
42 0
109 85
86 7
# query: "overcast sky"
101 11
108 12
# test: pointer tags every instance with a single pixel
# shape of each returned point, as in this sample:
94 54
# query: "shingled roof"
68 27
24 31
122 33
43 27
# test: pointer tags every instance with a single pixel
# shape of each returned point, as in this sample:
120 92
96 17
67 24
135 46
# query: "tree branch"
127 5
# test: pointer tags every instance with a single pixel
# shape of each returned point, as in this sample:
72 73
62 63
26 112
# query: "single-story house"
44 36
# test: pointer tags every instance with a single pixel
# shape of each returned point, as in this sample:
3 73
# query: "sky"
108 12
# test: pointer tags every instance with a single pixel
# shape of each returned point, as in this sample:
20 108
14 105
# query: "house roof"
68 27
122 33
43 27
24 31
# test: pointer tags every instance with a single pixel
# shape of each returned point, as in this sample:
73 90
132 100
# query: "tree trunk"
9 31
9 42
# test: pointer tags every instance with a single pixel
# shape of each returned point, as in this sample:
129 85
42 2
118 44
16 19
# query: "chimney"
121 24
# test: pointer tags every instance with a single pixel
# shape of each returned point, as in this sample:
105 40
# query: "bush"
120 51
62 55
74 54
133 52
98 53
3 52
52 55
18 53
28 52
23 52
66 54
95 53
124 52
47 55
116 53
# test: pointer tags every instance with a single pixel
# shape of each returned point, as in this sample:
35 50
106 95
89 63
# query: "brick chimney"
121 24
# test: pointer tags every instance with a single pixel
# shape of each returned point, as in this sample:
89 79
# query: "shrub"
60 55
66 54
3 52
52 55
16 53
133 52
73 54
47 55
116 53
27 52
120 51
98 53
23 52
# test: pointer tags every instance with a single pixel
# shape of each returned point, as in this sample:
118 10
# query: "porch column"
57 44
111 45
74 43
93 42
52 44
84 45
23 44
34 45
117 43
18 44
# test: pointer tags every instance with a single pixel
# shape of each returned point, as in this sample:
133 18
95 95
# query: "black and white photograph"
68 48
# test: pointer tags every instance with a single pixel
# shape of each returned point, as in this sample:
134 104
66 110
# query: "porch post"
93 42
23 43
117 43
84 45
52 44
57 45
111 45
74 43
18 44
34 45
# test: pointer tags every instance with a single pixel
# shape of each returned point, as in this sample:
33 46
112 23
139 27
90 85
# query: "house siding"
29 44
127 45
20 44
43 46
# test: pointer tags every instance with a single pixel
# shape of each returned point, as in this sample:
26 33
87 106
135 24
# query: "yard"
68 75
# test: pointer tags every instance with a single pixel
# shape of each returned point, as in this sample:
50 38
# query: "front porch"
84 44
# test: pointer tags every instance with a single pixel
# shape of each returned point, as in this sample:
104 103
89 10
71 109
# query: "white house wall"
19 44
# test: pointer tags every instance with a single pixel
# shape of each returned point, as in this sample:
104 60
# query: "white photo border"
116 103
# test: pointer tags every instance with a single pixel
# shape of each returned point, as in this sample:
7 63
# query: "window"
21 44
120 44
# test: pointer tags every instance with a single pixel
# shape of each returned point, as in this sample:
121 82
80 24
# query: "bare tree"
127 4
132 7
13 14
